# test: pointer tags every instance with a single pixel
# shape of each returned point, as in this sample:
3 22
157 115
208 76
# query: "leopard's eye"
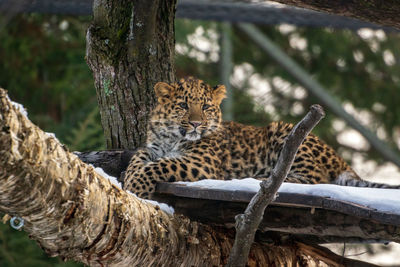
206 106
183 105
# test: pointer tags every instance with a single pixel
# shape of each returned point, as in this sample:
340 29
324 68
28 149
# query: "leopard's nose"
195 124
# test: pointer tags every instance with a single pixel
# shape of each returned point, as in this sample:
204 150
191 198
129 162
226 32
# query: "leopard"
188 141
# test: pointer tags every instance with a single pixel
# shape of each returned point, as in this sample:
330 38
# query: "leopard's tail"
350 178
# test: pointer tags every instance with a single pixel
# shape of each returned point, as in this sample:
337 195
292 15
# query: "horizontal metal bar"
259 13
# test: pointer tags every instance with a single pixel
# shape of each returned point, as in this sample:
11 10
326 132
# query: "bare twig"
247 223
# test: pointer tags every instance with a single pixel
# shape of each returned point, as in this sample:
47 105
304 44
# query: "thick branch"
383 12
74 213
247 223
314 218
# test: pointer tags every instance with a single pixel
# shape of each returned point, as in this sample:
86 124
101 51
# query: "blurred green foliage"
43 67
359 68
16 250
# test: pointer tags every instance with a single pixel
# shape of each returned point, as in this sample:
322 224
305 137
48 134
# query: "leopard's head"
189 109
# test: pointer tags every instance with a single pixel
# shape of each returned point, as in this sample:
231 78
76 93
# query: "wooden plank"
284 199
309 223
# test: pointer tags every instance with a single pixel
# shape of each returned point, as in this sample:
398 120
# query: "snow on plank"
381 205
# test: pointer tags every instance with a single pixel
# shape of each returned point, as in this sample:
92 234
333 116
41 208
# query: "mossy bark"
130 47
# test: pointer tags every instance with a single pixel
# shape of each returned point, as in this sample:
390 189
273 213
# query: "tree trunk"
130 47
74 213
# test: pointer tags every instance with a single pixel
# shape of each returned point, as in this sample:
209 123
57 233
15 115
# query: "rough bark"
382 12
130 47
74 213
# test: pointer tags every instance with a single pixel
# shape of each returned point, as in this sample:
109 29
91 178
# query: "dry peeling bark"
74 213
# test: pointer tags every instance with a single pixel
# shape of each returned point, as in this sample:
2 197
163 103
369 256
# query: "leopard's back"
254 151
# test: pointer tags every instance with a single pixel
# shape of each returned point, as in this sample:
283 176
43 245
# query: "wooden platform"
311 218
315 218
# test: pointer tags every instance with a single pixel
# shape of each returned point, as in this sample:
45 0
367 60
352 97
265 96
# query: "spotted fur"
187 141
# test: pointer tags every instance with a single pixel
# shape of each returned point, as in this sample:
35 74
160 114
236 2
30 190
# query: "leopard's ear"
163 91
219 93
